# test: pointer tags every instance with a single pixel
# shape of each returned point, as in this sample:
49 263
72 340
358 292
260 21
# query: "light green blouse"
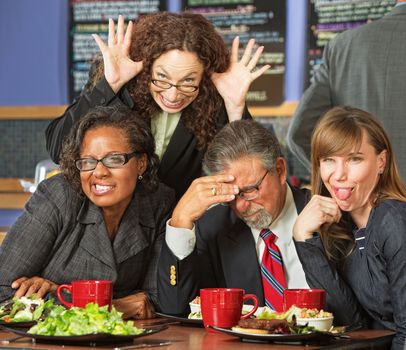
163 126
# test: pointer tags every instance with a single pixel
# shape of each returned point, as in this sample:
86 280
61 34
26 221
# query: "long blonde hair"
339 131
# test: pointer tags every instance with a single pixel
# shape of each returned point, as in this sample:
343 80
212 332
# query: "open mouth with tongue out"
343 193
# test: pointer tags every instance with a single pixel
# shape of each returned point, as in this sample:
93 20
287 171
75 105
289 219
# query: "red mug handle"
254 298
60 297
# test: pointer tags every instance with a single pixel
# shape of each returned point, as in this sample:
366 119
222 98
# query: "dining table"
183 336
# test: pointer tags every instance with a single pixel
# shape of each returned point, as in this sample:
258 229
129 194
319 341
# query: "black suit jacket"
225 256
181 162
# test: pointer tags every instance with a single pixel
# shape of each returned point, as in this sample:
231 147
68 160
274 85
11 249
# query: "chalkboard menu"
327 18
263 20
91 16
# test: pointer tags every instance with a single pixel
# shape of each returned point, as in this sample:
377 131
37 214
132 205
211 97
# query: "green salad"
290 316
80 321
25 309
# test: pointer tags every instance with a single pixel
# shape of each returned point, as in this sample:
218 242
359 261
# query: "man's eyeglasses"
250 193
166 85
111 161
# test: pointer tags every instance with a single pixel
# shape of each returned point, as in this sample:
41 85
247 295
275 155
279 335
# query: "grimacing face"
179 68
263 210
108 188
351 178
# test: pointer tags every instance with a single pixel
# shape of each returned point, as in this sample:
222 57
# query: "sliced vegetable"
24 309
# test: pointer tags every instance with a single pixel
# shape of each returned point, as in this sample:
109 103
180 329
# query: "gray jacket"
62 237
363 68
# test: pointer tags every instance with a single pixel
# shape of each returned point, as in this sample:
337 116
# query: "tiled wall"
23 146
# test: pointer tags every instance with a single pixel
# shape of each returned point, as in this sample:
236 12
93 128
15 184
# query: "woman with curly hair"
358 209
176 70
102 218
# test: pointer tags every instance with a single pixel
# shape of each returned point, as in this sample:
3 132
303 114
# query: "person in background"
359 209
217 236
176 71
349 77
103 217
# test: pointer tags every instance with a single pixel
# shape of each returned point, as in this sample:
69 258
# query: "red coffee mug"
221 307
84 292
304 298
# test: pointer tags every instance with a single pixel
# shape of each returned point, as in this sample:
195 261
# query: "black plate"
92 339
18 324
275 337
183 319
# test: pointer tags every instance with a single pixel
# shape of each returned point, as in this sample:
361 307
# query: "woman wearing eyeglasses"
103 217
176 70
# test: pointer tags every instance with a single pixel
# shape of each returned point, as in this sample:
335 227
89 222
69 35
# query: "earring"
140 177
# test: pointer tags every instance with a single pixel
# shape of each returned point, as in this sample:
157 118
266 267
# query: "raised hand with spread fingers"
234 83
119 68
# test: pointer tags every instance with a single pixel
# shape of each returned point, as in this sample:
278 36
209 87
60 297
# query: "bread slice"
249 330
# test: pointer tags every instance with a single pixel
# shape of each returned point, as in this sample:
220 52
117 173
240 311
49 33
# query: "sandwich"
261 326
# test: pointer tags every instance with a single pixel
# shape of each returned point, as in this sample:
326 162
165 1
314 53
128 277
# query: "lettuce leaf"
80 321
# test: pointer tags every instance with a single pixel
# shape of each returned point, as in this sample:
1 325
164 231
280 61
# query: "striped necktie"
273 278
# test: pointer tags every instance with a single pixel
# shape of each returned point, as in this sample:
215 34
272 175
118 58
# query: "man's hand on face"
203 193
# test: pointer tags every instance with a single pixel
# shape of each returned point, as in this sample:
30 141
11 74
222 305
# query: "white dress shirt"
181 242
282 227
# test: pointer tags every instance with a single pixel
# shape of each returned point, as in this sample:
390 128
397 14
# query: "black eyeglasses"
166 85
250 193
110 161
253 191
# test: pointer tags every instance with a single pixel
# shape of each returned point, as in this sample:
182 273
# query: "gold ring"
213 191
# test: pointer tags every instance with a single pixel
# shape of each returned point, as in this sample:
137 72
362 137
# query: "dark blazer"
377 275
63 237
181 162
348 76
225 256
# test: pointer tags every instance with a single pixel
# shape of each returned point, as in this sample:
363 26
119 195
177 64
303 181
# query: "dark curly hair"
138 135
158 33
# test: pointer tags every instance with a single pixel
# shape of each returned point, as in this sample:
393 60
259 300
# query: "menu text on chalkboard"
91 17
327 18
265 21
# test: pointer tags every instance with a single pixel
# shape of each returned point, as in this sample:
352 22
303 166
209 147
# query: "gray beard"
261 220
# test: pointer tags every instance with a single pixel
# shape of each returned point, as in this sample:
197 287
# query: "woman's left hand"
233 84
28 286
137 306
